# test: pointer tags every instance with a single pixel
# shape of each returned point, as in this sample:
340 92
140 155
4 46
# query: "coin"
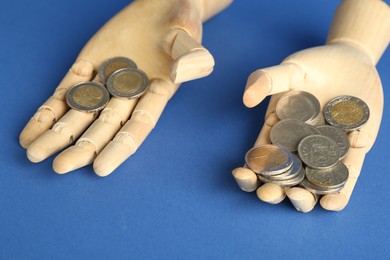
318 190
289 132
347 112
289 174
111 65
128 83
337 135
87 97
319 120
298 105
318 152
333 177
268 159
285 183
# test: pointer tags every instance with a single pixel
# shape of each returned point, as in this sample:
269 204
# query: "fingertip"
334 202
75 157
246 179
112 156
271 193
193 65
302 199
257 88
36 154
37 125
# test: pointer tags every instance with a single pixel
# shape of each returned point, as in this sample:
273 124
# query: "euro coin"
298 105
285 183
289 132
347 112
337 135
128 83
268 159
87 97
111 65
289 174
318 190
330 178
318 152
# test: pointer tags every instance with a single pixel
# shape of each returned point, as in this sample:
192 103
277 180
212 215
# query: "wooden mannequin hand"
345 66
162 37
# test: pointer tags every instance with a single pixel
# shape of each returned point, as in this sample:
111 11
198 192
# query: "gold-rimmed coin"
128 83
111 65
347 112
87 97
268 159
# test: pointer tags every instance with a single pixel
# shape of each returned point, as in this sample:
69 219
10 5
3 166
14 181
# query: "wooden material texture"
163 38
344 66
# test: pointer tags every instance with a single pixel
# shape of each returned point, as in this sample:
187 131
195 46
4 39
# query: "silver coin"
318 152
111 65
289 132
337 135
268 159
318 190
285 183
331 178
319 120
298 105
128 83
87 97
347 112
291 173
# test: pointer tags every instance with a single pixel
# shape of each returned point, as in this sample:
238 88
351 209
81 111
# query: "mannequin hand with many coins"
339 79
148 49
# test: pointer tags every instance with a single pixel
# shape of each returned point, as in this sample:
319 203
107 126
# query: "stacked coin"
320 148
275 164
123 79
299 105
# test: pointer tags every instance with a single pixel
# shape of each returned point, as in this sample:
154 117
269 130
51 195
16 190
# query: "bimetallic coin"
331 178
347 112
289 132
291 173
128 83
317 190
298 105
111 65
87 97
337 135
318 152
285 183
268 159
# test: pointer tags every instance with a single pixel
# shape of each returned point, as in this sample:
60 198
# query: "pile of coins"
120 78
305 151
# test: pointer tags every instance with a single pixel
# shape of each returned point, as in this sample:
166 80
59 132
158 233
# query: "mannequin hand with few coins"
147 50
341 73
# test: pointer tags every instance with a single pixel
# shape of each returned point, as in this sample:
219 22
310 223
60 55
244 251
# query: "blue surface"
175 198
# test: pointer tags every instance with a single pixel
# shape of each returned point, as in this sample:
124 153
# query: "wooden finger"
354 162
55 107
271 193
62 134
302 199
269 81
190 59
134 132
90 144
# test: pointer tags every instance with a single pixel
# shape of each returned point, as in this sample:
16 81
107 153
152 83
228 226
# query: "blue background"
175 198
